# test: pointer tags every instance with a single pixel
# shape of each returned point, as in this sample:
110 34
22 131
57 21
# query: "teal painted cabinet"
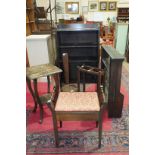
121 34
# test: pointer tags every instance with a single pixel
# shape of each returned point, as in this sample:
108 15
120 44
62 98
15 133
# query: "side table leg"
38 100
32 93
48 80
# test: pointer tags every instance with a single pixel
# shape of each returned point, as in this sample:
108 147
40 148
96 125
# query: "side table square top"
38 71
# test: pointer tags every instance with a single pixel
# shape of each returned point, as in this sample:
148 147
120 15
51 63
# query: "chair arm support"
101 94
103 105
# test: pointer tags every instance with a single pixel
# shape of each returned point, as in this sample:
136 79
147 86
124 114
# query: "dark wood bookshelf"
123 14
112 65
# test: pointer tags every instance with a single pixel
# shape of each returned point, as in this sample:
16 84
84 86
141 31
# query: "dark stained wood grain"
112 63
66 67
81 42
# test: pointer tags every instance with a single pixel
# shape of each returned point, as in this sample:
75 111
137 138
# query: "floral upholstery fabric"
77 101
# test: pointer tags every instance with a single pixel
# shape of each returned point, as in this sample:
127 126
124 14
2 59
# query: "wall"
91 16
123 4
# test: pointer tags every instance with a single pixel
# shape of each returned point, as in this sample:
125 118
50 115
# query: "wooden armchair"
79 106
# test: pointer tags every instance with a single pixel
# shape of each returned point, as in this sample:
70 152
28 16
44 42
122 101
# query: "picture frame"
72 7
103 6
112 6
93 6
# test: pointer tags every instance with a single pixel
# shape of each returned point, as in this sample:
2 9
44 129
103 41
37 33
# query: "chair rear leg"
55 132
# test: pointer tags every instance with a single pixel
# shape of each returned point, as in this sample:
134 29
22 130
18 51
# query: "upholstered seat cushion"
77 101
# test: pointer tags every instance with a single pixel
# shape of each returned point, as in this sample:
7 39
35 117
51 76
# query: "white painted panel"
121 38
37 49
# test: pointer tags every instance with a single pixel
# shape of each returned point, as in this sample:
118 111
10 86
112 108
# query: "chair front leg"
51 107
100 119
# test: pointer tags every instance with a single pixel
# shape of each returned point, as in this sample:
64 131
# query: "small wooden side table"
36 72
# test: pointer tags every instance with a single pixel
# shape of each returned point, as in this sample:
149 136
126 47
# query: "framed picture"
84 10
93 6
112 6
72 7
103 6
